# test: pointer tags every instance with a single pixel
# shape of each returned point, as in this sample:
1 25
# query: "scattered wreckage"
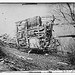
35 35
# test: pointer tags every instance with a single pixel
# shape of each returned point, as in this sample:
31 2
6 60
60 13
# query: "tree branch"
63 15
72 14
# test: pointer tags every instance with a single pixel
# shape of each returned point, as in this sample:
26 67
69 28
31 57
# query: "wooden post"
27 34
17 34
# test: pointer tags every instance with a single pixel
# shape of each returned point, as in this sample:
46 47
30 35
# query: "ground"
21 61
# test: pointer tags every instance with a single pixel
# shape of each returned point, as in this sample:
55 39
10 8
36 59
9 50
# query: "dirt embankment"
15 60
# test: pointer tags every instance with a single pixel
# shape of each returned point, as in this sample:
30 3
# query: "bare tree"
67 11
71 11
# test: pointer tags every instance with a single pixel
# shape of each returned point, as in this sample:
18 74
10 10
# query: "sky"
11 13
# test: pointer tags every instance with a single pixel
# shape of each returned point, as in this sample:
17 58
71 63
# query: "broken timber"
34 27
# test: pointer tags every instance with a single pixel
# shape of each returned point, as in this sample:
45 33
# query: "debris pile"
33 33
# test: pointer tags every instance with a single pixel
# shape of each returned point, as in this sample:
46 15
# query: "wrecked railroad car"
34 32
